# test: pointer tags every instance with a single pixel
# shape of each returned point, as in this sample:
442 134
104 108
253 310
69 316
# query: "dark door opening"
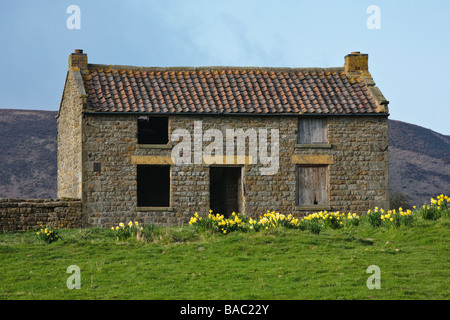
225 187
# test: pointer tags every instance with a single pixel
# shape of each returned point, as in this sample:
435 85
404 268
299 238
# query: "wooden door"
312 185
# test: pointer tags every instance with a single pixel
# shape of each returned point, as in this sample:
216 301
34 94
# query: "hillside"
419 161
28 154
419 157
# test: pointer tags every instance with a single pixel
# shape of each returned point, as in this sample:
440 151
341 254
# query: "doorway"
226 190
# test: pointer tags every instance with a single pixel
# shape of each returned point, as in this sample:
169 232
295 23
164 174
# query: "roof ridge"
186 68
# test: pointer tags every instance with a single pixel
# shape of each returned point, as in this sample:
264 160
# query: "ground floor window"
312 185
153 186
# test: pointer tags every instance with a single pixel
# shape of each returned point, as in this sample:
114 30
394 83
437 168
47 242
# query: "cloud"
227 35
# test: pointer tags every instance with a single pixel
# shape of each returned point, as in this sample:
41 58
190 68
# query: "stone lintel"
167 160
312 159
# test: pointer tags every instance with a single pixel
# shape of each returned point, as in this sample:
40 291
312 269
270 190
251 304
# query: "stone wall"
356 156
21 214
109 184
69 140
359 177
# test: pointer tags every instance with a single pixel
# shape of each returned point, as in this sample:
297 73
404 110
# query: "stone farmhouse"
158 144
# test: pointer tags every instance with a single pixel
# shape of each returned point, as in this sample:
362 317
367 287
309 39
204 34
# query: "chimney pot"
78 51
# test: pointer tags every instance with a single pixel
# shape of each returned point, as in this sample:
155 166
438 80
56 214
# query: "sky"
408 43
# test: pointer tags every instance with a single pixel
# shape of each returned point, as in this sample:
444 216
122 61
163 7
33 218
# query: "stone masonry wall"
357 160
69 141
359 179
21 215
109 194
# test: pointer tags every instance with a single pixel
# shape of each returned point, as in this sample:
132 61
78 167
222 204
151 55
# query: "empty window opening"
226 194
312 130
312 185
153 186
153 130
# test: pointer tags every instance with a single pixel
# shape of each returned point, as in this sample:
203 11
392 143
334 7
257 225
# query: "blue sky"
409 56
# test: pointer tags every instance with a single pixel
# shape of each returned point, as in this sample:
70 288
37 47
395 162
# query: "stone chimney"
356 62
78 59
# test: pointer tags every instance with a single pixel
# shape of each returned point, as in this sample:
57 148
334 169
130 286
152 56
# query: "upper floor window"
312 130
153 130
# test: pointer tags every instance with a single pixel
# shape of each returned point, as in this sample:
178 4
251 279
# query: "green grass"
180 263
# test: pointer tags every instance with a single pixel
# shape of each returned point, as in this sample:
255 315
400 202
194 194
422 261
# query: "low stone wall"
24 214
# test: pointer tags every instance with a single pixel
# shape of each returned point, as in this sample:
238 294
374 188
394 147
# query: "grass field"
182 263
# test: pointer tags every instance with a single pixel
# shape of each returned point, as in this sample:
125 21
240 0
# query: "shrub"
398 199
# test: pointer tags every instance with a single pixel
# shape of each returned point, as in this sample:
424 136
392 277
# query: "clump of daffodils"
48 234
218 222
399 217
270 220
273 219
391 218
317 221
436 208
122 231
334 220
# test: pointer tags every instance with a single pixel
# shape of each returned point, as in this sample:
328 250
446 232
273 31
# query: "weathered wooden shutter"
312 182
312 130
